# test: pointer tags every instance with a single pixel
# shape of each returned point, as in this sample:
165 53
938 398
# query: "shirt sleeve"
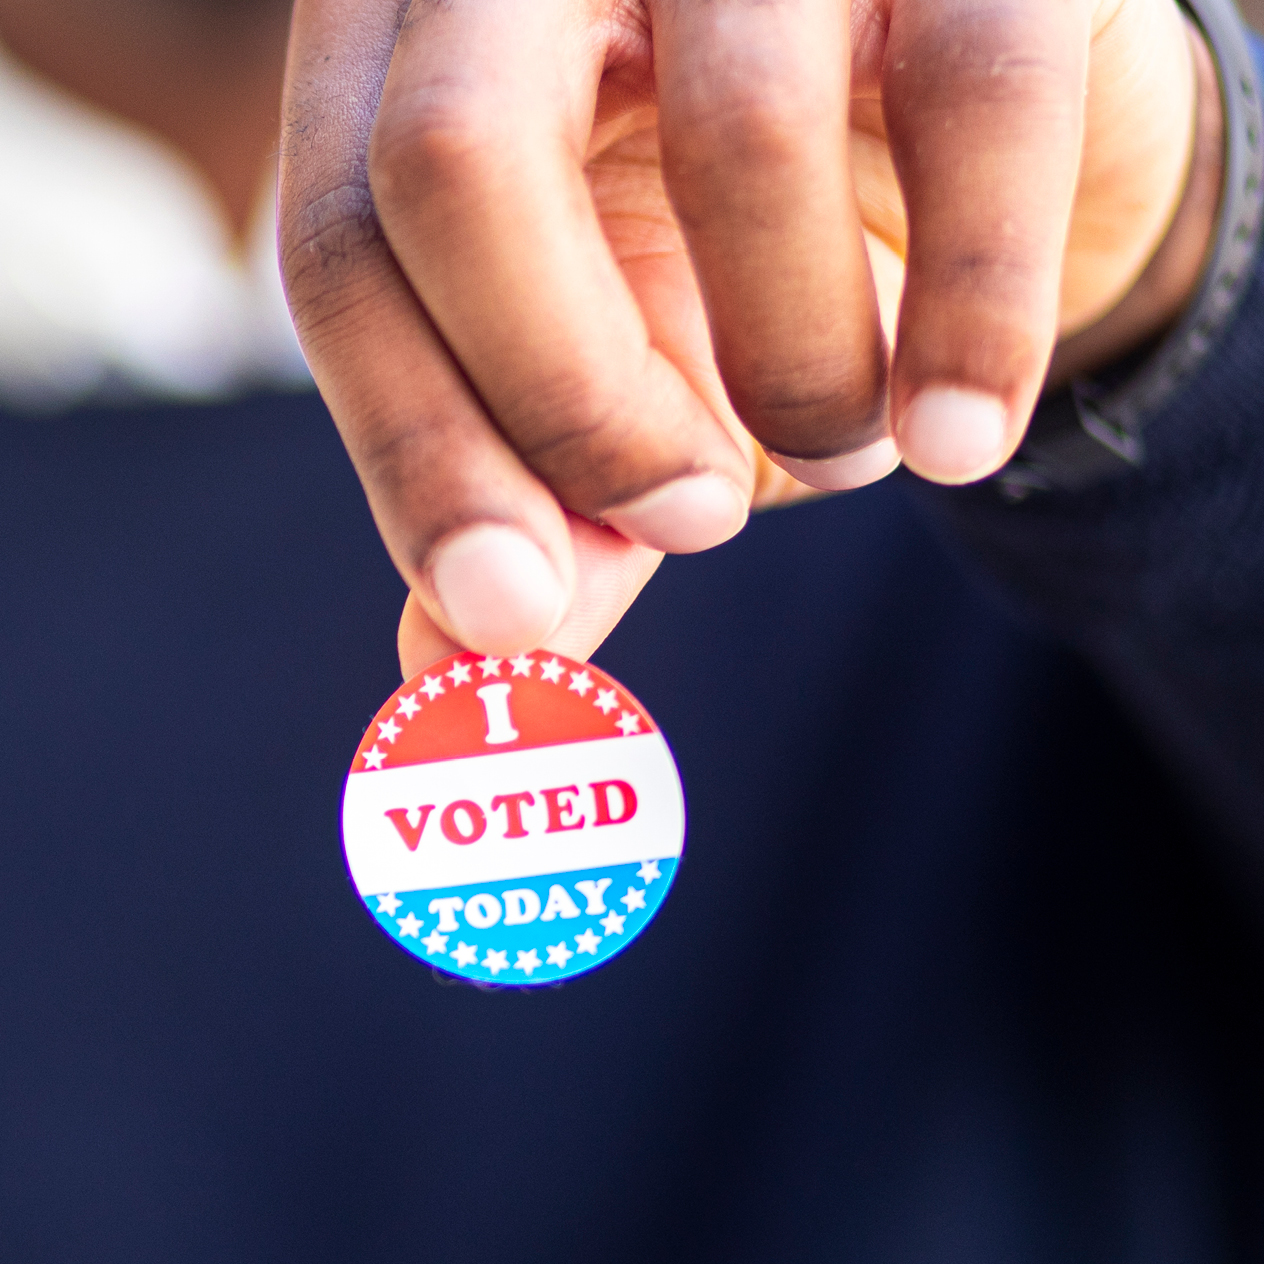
1158 576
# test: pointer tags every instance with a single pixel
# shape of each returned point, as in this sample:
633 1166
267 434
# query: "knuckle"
325 240
578 434
407 450
802 409
439 139
1012 277
386 451
395 460
566 418
1008 52
1008 308
750 123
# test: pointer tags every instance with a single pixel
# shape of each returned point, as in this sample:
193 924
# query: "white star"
409 706
496 961
587 942
435 942
559 954
467 954
581 683
607 700
388 904
408 926
613 922
432 687
527 961
648 871
460 673
551 671
389 729
522 665
628 723
634 899
374 758
490 667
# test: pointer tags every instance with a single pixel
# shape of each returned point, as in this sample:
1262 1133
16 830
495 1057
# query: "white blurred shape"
118 276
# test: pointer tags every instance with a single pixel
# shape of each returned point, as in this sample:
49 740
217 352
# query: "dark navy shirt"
964 962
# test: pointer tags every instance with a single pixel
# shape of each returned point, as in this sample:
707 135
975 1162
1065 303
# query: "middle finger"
477 172
753 100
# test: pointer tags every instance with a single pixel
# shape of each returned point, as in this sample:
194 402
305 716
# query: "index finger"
477 172
610 572
477 537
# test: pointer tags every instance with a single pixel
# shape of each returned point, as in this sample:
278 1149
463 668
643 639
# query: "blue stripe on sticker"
527 932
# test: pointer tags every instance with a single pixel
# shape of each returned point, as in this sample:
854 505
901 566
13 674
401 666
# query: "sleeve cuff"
1094 429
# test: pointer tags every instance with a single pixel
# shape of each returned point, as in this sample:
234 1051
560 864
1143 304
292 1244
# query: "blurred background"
976 1052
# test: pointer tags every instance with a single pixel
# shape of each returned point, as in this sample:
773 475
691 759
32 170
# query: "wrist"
1170 280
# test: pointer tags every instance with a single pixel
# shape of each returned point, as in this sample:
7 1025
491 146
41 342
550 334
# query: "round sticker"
513 820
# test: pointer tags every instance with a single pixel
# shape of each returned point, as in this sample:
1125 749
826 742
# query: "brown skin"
608 574
1163 289
509 271
205 77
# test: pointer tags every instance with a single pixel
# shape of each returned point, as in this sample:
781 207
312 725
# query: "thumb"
610 572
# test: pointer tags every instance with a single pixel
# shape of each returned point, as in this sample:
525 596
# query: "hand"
558 263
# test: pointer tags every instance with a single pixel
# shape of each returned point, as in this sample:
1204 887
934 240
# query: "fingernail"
952 436
684 516
843 473
500 594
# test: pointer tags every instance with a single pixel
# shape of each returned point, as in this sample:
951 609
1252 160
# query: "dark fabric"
1159 576
951 972
955 970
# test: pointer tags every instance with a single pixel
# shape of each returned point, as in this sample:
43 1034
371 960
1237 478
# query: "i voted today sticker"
513 820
